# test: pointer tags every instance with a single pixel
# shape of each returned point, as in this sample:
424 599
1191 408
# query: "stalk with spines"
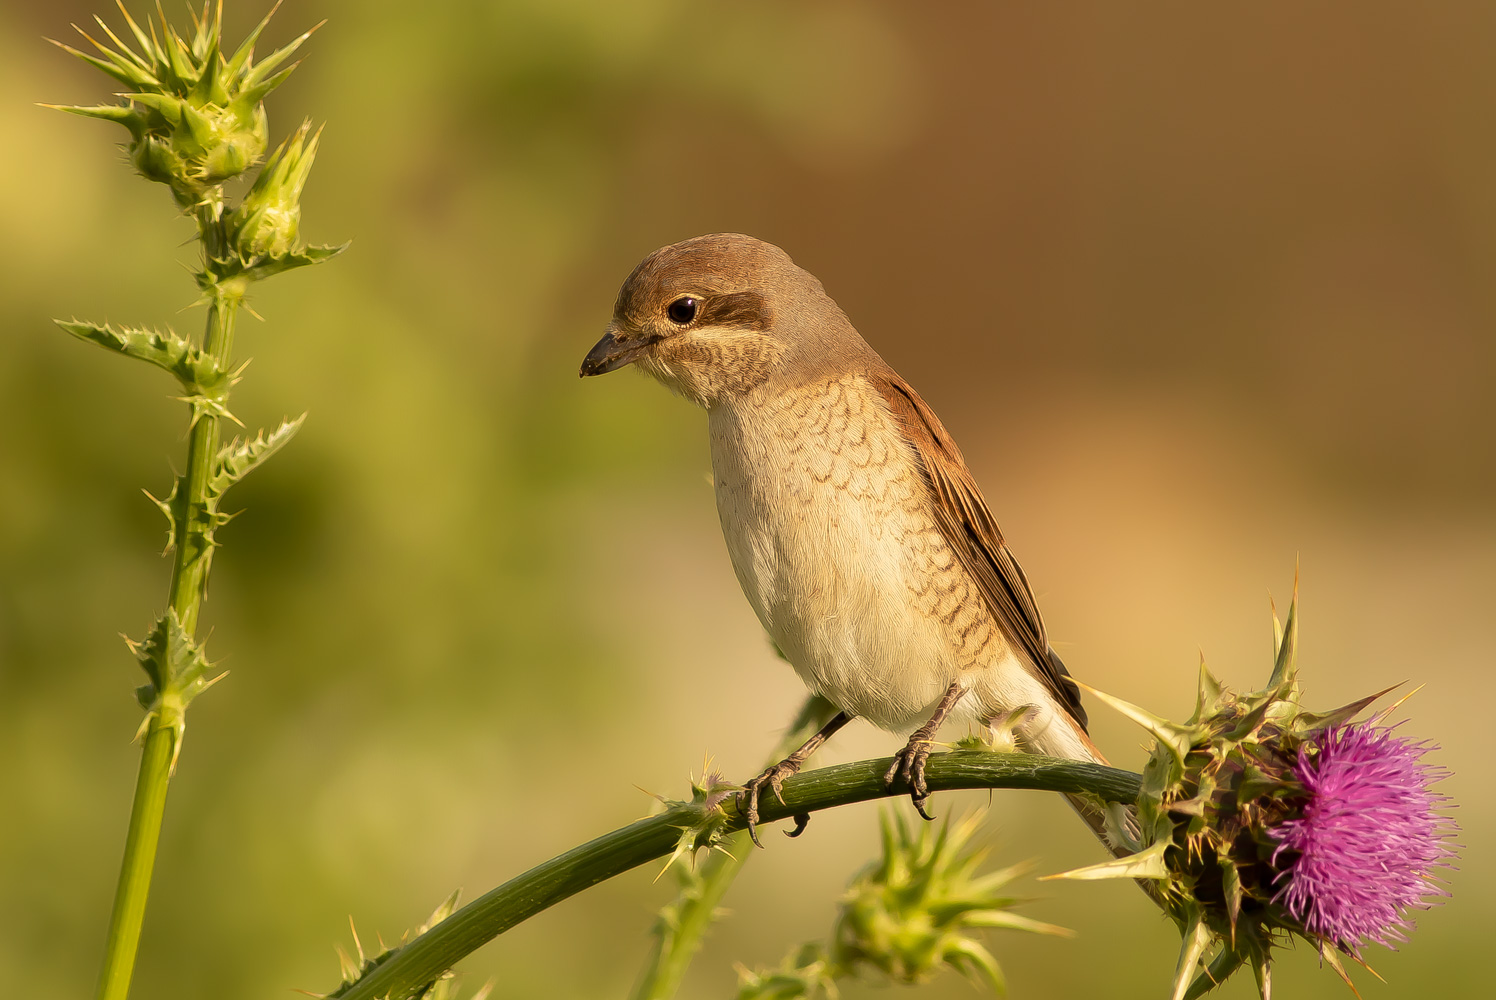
196 121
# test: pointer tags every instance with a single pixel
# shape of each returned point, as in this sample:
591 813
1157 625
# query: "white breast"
827 525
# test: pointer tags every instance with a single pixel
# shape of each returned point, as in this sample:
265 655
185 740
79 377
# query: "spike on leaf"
1175 737
238 459
1148 863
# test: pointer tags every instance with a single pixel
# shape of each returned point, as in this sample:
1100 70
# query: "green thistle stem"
672 956
695 911
140 859
194 550
192 529
407 971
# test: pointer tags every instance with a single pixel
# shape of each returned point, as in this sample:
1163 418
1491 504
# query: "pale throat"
709 364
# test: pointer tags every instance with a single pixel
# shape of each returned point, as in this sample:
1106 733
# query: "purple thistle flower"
1364 850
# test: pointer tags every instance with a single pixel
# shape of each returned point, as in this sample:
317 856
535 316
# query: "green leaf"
304 257
169 351
238 458
174 663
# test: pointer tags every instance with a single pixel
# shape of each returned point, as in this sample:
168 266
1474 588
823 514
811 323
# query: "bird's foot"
774 779
909 764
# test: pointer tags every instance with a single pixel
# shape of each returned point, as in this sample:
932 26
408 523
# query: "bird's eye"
682 310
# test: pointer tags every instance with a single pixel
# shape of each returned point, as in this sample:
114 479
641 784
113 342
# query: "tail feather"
1094 813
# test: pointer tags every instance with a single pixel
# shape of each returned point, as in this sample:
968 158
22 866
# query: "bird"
858 534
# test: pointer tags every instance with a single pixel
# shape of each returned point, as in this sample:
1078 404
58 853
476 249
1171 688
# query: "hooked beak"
615 351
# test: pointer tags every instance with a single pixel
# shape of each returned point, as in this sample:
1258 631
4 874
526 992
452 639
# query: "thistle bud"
267 222
156 160
195 116
1263 821
237 151
909 915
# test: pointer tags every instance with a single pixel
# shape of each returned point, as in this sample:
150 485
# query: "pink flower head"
1365 848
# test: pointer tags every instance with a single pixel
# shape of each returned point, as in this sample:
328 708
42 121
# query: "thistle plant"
1262 821
906 917
196 121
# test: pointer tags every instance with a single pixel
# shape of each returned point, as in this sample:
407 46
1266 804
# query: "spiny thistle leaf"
238 458
175 663
179 673
270 266
805 974
169 351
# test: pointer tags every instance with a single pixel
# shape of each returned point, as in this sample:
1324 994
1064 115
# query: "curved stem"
192 530
408 970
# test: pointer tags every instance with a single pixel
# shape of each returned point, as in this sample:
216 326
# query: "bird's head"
714 317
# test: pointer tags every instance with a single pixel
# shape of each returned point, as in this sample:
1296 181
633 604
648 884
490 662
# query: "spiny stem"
192 529
194 549
410 969
695 910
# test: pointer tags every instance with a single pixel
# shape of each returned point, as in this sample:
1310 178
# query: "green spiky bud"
194 115
156 160
909 913
268 221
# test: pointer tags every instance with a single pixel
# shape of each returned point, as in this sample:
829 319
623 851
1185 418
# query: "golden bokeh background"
1202 291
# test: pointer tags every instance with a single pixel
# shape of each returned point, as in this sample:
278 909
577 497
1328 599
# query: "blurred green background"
1201 291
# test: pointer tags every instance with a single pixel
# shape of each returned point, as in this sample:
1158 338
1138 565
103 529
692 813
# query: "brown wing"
971 530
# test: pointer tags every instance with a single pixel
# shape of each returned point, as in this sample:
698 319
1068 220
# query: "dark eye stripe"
748 310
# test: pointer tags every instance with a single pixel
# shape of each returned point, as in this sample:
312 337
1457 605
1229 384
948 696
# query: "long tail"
1059 734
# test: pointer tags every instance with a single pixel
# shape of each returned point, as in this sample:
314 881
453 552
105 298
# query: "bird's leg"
909 762
774 777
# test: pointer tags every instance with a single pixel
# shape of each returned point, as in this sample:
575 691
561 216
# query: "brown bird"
859 536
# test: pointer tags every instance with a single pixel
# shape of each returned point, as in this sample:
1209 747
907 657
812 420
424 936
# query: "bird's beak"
616 349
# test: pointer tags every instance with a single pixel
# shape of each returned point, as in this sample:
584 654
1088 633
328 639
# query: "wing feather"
971 530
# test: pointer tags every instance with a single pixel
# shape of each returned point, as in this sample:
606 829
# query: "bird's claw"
748 797
909 764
